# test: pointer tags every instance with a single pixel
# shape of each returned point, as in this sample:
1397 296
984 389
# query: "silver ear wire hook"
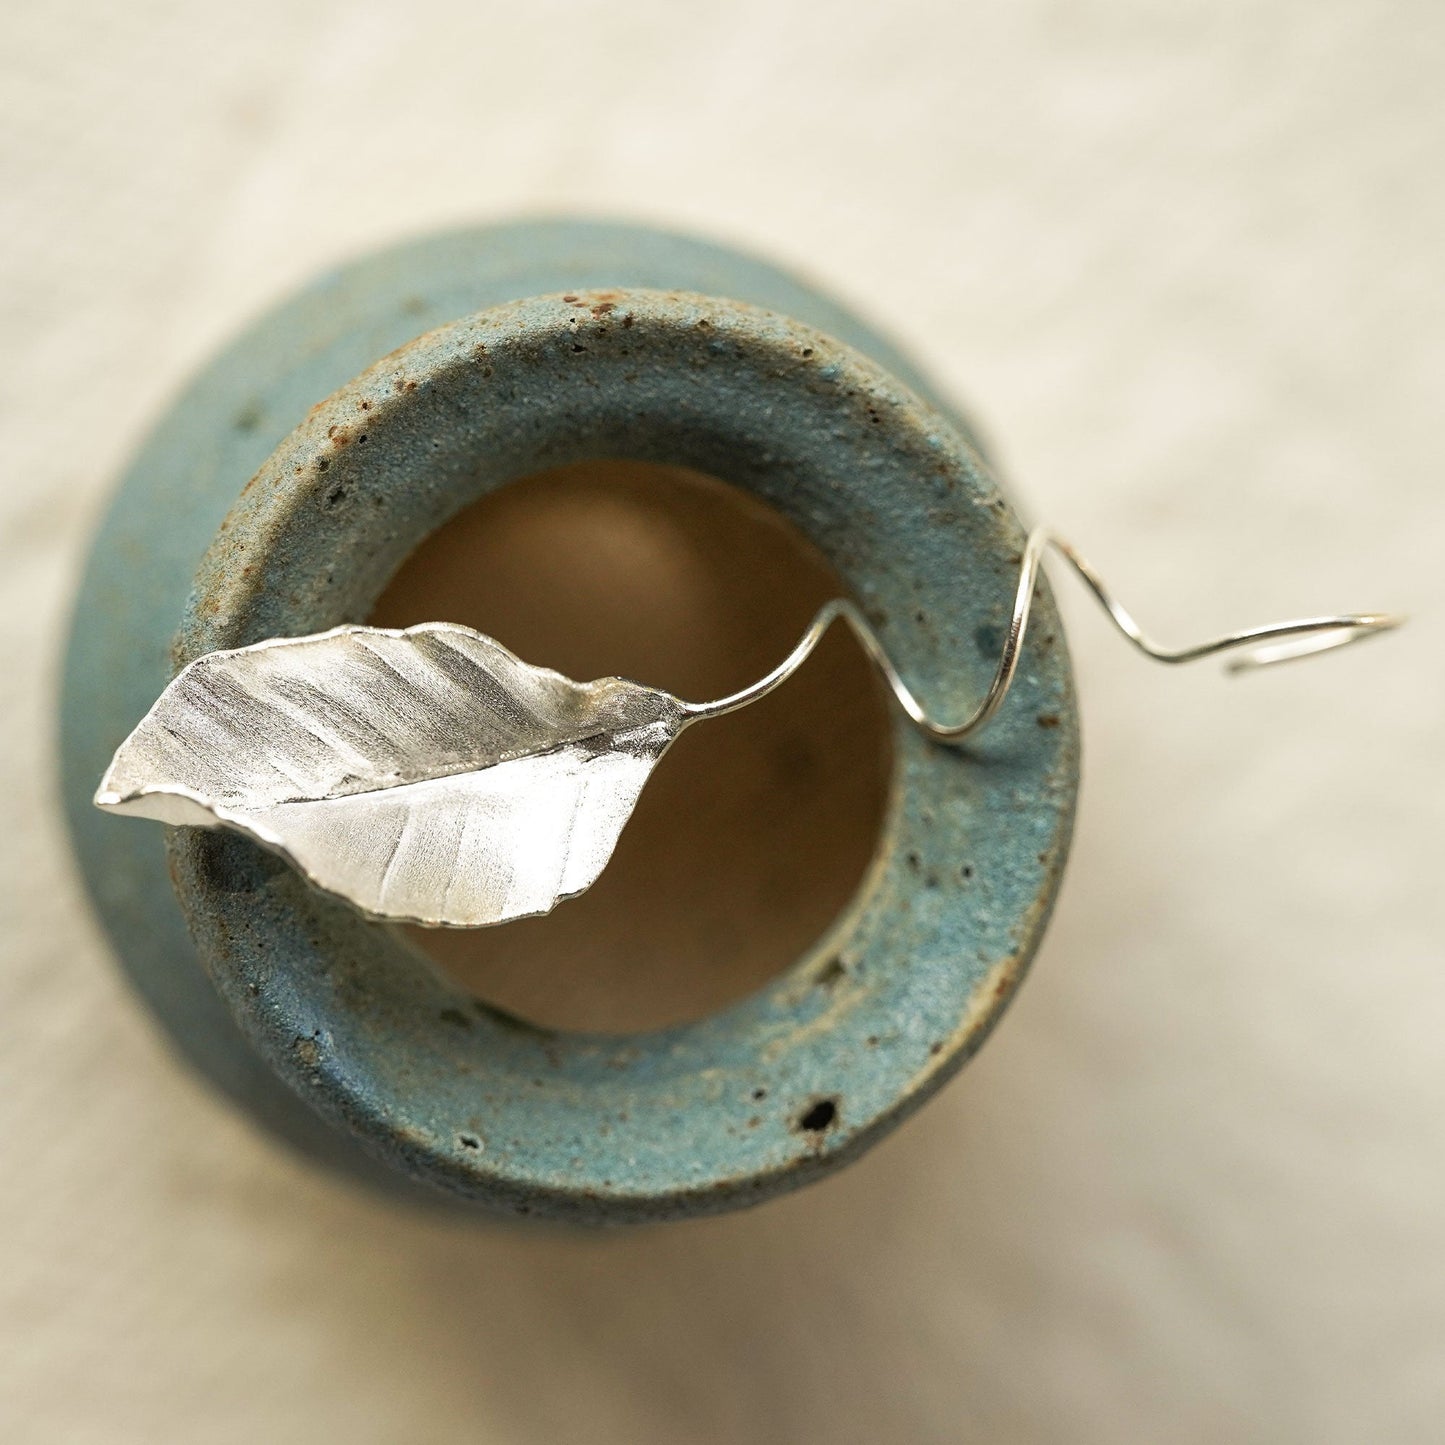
1259 646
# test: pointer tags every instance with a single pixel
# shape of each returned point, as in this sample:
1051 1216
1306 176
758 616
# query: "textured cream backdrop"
1185 261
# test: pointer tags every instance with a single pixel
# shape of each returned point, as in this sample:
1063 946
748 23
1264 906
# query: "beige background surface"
1185 261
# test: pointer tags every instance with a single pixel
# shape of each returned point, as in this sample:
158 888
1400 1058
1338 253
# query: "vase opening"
756 830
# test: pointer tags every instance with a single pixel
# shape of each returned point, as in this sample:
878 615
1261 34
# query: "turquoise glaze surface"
248 515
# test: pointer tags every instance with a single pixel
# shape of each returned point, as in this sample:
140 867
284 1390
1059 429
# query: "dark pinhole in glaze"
819 1116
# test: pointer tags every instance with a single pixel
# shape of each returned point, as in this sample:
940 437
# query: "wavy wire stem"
1259 646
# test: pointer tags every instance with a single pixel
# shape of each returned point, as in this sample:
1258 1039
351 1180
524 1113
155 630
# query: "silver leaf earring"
430 776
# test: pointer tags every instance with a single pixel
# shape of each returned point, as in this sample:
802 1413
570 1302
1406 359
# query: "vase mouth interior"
756 831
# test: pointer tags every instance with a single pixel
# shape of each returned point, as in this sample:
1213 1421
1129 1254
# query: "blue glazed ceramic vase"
283 490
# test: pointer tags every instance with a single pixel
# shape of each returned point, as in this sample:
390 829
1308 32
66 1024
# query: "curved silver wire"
1272 643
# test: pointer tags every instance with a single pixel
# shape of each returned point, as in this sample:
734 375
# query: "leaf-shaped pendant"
426 775
431 776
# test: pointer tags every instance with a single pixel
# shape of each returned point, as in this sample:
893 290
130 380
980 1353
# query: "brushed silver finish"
425 775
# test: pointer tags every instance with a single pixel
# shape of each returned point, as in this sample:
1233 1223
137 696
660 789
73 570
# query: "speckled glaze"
334 1030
